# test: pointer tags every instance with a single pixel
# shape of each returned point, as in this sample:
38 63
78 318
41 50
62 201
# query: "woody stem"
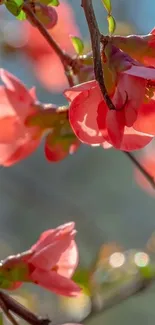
95 41
66 59
8 305
149 178
7 313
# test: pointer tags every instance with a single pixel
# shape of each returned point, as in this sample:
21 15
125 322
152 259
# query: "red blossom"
58 149
60 141
50 263
93 122
24 121
139 47
16 104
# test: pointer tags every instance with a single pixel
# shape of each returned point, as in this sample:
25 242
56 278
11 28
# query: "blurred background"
95 188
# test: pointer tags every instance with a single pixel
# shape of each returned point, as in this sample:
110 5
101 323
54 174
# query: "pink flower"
93 122
16 104
57 150
50 263
47 65
139 47
24 121
60 141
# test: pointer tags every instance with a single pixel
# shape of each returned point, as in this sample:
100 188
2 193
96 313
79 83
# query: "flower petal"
14 84
13 153
55 283
68 261
49 256
73 92
51 235
32 93
146 118
115 127
142 72
129 93
9 129
83 116
134 140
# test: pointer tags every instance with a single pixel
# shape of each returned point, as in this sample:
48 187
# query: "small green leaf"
22 15
107 5
54 3
78 44
111 24
14 6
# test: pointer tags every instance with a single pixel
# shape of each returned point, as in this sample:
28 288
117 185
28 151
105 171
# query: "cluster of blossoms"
128 68
24 121
128 64
131 86
129 74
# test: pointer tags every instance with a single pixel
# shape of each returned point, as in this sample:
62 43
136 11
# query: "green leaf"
111 24
81 277
54 3
107 5
22 15
78 44
14 6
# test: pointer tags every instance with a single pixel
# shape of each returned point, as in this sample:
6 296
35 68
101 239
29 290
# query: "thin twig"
65 58
149 178
7 313
95 40
18 309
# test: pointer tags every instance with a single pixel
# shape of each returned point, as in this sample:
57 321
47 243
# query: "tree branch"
95 41
66 59
144 172
7 313
8 304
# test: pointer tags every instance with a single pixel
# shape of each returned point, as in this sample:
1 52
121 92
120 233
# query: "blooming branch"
96 39
69 63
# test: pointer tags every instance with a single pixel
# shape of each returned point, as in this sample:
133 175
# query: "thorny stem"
149 178
95 41
65 58
8 304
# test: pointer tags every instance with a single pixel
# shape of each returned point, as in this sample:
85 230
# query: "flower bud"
46 14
